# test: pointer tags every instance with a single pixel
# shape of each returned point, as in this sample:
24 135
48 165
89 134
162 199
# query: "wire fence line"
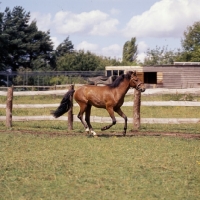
47 78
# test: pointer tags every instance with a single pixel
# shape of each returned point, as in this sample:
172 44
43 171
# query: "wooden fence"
70 118
9 106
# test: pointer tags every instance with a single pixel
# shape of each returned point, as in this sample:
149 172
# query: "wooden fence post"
136 109
9 107
70 112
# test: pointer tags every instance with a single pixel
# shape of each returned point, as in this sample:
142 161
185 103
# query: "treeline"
24 47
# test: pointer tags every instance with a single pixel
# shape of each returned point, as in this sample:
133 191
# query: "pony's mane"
120 79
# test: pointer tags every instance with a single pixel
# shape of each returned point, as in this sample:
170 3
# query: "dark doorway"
150 77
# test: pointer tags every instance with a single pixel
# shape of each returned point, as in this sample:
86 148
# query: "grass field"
42 160
58 167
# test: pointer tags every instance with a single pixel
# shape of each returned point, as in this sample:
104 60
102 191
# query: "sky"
103 26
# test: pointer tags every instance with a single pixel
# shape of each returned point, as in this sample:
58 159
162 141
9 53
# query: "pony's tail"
65 104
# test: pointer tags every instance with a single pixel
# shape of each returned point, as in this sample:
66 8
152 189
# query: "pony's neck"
124 87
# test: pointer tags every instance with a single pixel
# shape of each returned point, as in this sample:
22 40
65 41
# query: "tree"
78 61
191 43
130 50
14 24
83 61
39 47
159 56
3 45
65 47
23 44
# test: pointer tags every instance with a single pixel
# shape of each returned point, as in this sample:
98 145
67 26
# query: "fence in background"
46 78
9 106
135 106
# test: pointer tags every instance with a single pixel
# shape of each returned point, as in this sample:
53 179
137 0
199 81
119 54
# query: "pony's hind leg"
80 116
87 119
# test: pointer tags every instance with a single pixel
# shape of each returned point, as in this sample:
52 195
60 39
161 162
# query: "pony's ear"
133 73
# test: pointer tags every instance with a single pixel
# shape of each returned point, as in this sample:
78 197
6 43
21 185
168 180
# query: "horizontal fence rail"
57 91
98 119
144 103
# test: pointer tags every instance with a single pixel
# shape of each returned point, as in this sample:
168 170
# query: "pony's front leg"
119 111
111 113
108 126
91 131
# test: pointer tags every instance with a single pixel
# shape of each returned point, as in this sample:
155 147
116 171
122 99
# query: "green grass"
43 99
146 112
59 167
61 127
38 160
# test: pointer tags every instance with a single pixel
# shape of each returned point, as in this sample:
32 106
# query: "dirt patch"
181 135
113 134
163 134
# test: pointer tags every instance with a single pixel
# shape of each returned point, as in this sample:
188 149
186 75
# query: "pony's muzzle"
140 87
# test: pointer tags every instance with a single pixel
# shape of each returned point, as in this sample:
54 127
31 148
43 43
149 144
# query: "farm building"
179 75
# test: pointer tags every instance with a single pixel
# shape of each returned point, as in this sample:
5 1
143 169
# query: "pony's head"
135 82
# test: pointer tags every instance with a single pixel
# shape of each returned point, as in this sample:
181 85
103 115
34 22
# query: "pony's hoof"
87 130
94 134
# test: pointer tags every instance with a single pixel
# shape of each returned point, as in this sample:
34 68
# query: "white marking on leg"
93 133
87 130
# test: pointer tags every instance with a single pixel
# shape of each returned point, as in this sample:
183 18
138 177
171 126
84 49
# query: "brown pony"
109 97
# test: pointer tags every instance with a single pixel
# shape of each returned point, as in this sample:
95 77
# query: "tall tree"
3 44
39 48
65 47
191 43
14 24
25 45
130 50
